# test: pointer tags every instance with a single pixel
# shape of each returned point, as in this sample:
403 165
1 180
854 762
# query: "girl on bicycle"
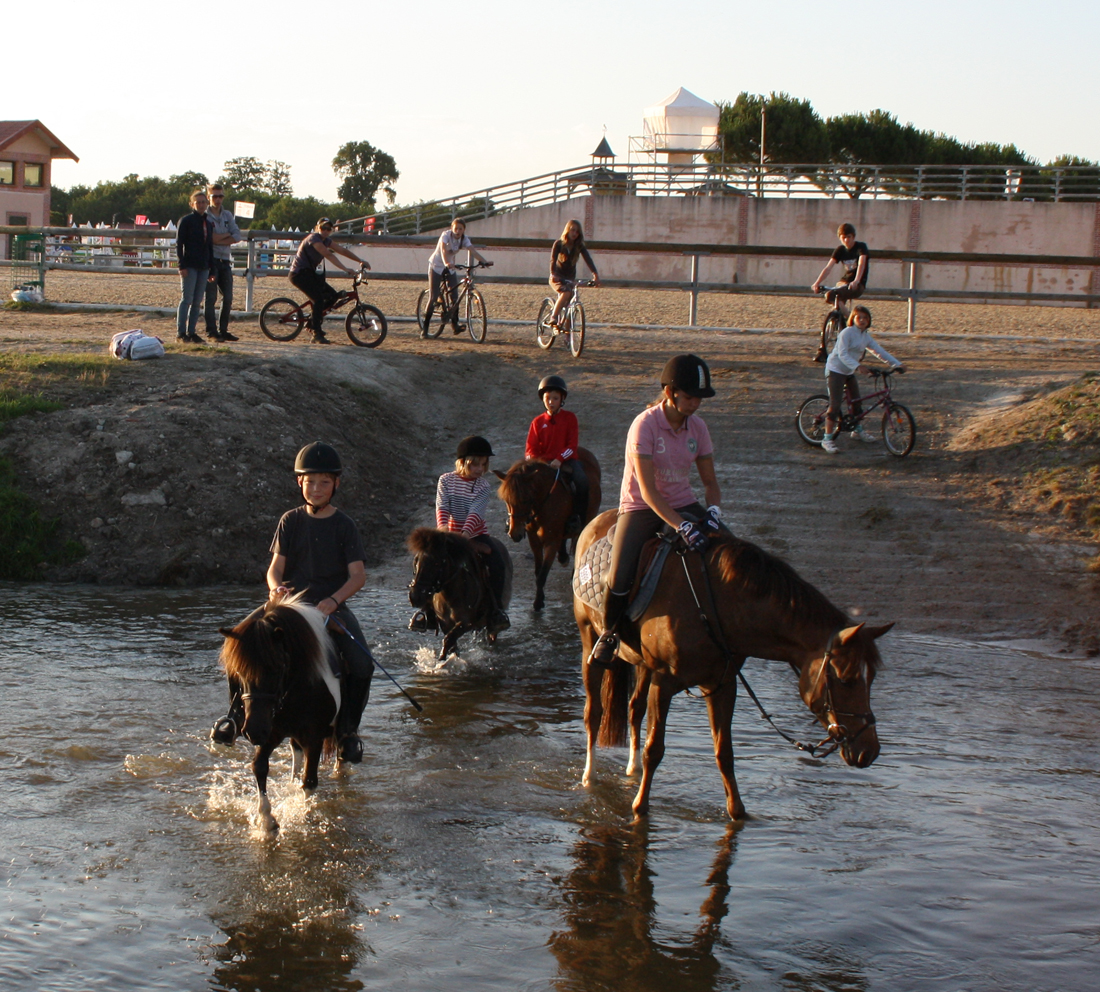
441 265
840 369
563 265
662 445
461 501
315 248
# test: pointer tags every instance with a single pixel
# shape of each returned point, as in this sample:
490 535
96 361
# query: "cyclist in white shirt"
847 359
441 265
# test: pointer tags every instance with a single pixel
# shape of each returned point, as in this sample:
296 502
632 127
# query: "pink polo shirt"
673 454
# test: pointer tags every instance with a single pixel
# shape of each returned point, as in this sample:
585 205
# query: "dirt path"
887 539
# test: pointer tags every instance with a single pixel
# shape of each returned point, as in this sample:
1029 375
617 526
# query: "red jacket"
551 438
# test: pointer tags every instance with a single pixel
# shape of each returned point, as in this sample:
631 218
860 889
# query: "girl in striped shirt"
461 501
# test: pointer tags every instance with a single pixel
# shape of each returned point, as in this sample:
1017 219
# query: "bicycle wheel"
366 326
810 419
476 322
899 430
282 319
421 310
830 328
543 331
576 330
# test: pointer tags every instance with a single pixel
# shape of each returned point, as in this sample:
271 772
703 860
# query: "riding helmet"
555 382
474 446
689 374
318 457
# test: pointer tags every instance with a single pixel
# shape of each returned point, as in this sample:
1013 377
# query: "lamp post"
763 137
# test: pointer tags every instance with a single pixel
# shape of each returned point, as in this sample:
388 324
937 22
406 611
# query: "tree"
794 132
291 212
364 170
245 172
277 179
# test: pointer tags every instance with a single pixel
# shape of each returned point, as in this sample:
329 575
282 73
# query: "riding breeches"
632 529
580 485
313 284
836 382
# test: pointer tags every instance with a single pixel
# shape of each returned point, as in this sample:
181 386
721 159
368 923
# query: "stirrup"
224 731
606 638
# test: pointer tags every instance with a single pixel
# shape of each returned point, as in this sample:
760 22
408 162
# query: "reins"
822 748
535 509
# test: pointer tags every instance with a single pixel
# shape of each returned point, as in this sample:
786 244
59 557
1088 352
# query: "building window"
32 174
18 220
7 173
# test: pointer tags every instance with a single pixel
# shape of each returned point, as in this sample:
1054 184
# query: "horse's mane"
750 568
438 543
518 486
282 629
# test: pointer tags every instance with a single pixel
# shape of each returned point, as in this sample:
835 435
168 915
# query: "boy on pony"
553 438
317 552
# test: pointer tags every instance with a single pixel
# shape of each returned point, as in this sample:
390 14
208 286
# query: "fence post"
250 274
693 301
911 318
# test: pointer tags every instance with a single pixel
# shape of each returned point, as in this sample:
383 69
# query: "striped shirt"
460 504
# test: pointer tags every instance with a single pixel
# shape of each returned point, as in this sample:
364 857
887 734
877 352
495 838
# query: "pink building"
26 150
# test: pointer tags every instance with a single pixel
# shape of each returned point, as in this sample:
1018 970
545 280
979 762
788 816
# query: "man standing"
226 233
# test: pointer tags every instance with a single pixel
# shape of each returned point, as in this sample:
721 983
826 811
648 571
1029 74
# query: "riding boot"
228 728
603 651
352 702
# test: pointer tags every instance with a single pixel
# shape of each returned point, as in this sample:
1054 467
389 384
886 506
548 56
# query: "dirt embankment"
175 471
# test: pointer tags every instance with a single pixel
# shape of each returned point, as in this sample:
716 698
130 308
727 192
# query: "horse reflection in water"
611 930
709 613
285 665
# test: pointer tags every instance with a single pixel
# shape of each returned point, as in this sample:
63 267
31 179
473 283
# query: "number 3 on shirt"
660 449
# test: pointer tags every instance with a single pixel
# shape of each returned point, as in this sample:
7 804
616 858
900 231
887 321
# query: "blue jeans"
192 291
223 271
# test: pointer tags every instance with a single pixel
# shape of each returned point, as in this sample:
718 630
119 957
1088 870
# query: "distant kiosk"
677 131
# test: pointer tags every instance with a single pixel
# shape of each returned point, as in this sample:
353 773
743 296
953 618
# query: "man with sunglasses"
226 233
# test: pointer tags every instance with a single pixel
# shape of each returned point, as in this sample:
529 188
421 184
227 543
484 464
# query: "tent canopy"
682 121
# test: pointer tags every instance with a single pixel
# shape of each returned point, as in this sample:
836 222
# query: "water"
463 853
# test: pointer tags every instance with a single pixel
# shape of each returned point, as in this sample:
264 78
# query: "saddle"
589 580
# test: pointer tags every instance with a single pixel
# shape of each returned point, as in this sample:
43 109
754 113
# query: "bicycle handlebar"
475 265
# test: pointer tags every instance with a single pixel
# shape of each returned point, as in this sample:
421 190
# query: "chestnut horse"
448 573
540 504
284 662
698 630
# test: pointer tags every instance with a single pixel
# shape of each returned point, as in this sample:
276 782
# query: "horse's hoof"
351 749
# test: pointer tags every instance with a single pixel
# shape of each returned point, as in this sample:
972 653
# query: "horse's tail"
614 693
328 748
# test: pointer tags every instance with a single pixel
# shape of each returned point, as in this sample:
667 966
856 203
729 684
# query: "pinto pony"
540 504
698 630
284 663
448 574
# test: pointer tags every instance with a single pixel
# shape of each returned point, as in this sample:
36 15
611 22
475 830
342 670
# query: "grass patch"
31 382
22 307
27 540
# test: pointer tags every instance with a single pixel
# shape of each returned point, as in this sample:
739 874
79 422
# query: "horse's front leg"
297 758
260 764
661 691
312 764
638 699
720 703
450 641
542 566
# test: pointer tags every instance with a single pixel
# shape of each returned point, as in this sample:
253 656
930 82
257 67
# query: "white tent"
682 123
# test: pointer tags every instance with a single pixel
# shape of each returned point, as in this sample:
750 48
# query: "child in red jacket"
552 437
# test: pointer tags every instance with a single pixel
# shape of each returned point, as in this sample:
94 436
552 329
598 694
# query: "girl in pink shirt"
661 447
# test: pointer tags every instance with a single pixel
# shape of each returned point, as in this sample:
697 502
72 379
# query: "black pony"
285 664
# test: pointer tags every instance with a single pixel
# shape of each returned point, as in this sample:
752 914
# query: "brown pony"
448 573
761 609
284 662
540 504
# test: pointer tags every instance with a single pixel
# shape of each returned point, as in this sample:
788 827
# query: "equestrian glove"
692 536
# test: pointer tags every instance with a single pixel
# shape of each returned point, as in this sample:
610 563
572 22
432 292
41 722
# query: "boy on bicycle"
441 266
840 369
316 247
553 438
853 255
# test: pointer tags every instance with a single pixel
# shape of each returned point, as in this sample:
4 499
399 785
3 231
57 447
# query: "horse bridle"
535 509
279 695
830 743
438 585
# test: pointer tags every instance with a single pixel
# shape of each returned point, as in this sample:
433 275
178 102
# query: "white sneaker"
864 435
829 445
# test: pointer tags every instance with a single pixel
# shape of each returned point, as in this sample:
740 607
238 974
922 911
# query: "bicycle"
834 322
469 302
899 429
570 321
282 319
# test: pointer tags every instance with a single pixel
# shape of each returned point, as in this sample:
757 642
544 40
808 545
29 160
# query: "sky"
466 96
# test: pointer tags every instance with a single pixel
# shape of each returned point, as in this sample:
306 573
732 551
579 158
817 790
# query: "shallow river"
463 854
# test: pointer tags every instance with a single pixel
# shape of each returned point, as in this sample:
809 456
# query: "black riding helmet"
689 374
555 382
318 457
474 446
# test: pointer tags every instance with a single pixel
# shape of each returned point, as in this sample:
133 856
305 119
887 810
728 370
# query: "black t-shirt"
317 551
850 261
